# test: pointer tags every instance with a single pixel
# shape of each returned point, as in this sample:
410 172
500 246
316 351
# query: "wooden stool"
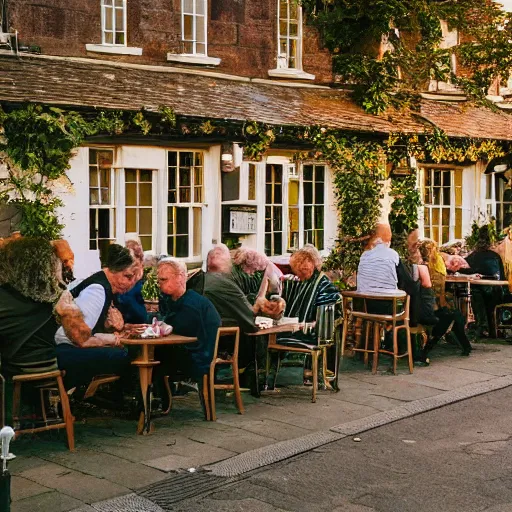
53 382
233 362
397 320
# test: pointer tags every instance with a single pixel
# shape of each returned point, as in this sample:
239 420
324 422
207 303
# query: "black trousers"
446 317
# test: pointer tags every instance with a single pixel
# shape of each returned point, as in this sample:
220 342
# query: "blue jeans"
82 364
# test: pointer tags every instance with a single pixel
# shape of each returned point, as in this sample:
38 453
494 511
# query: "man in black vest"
89 349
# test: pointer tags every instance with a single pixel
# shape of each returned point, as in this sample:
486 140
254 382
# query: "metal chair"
397 319
325 334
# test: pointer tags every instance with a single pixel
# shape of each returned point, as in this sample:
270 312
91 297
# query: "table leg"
145 375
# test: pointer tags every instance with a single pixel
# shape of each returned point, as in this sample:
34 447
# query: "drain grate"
181 487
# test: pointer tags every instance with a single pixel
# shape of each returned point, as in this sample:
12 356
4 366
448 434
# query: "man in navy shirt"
190 314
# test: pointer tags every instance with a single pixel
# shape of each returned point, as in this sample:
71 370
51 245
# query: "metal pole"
6 435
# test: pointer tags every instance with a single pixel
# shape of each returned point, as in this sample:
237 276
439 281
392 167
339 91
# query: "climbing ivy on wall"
394 73
37 143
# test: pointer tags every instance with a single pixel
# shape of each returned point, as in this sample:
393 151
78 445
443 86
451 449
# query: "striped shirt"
303 297
377 270
248 283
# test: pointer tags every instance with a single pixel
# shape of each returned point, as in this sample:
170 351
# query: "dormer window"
289 41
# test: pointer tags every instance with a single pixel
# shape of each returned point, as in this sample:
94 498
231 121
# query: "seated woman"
310 289
445 314
131 304
86 348
484 261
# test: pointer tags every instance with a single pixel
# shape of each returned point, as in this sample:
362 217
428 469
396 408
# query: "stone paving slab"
109 453
48 502
77 485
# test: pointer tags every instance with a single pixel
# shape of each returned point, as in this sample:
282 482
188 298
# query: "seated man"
31 284
189 314
86 348
218 286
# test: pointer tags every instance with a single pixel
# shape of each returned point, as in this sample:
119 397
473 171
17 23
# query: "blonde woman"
437 272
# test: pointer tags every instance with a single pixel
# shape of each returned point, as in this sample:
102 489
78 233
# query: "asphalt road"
458 458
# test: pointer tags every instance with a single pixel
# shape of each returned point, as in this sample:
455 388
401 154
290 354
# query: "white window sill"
290 73
193 59
117 50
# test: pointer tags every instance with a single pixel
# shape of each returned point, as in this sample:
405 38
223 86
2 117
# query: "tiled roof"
464 120
87 83
90 83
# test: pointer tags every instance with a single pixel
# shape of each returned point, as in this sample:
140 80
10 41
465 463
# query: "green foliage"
258 139
39 143
353 31
142 123
471 241
150 288
404 213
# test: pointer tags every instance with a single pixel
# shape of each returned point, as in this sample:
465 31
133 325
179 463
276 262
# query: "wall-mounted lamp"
226 157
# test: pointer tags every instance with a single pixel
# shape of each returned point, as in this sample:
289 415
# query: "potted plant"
150 290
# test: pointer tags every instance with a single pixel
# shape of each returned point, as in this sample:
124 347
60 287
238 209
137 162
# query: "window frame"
191 206
288 38
112 206
194 41
104 30
454 232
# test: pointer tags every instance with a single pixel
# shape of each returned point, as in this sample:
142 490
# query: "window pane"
319 239
293 192
105 195
437 195
104 223
109 38
251 194
131 220
200 5
446 196
172 158
108 18
145 221
93 177
131 194
294 29
319 217
119 20
308 217
94 196
200 49
278 193
119 38
278 243
130 175
307 172
146 175
435 216
182 221
145 194
200 29
277 220
196 241
181 246
446 217
308 192
319 193
188 6
458 223
146 242
319 173
188 28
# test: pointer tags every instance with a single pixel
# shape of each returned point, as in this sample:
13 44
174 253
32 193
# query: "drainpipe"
3 15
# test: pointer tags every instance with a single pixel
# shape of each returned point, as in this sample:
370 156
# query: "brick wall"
243 33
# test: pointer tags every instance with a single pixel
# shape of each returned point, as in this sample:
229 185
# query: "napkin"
157 329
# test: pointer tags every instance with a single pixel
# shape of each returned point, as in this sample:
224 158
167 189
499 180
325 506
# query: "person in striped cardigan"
309 287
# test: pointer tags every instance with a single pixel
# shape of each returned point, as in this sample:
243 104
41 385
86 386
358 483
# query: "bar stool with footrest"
48 382
397 319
